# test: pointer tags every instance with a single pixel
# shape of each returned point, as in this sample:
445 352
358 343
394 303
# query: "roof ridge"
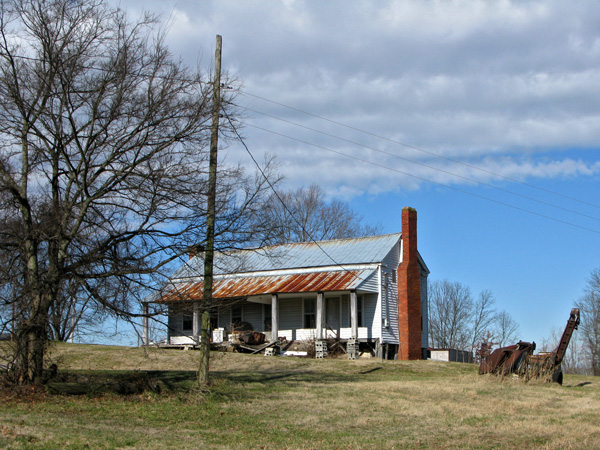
325 241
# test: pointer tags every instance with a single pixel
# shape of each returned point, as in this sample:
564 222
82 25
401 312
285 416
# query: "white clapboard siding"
287 334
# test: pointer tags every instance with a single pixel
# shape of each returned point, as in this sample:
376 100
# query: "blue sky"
449 107
534 266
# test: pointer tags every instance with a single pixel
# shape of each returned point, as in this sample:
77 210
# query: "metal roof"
339 252
336 265
244 286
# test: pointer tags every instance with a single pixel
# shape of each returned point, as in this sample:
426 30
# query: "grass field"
297 403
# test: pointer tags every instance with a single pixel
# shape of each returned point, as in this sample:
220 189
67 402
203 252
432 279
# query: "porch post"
274 318
319 317
145 340
196 323
354 314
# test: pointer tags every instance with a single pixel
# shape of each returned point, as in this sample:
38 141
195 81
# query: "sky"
481 115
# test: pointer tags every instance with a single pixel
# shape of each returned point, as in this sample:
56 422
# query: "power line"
198 80
481 169
190 80
281 200
425 179
422 164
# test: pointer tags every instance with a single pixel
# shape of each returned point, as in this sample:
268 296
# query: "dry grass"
272 403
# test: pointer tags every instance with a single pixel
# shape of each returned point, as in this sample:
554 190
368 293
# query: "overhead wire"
243 92
403 158
424 179
436 155
285 206
455 161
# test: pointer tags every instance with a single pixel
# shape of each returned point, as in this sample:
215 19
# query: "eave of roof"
232 287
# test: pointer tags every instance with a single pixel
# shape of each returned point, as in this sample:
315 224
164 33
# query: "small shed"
449 354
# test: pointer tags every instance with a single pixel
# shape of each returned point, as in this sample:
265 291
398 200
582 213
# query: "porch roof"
245 286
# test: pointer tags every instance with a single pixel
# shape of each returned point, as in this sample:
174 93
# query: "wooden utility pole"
210 221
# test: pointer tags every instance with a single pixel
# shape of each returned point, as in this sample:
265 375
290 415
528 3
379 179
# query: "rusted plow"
520 361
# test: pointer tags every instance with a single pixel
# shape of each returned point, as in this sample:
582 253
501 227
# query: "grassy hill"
257 402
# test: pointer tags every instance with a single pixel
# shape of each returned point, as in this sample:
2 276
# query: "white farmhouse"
371 290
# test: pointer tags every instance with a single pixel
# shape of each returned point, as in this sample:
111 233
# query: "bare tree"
103 164
450 313
483 317
505 329
589 328
458 321
304 214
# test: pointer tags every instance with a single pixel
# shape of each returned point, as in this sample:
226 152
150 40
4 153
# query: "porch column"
319 316
196 323
354 314
274 318
145 339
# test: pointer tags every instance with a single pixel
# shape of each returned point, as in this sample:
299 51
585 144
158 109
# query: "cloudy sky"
482 115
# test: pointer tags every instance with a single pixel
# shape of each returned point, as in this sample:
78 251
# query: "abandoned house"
362 290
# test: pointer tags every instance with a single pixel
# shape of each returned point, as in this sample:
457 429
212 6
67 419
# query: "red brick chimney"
409 290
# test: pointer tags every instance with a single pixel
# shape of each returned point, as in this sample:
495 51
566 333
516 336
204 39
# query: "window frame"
187 319
233 317
267 316
309 317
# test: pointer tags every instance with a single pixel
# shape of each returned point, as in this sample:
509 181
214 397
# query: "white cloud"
511 86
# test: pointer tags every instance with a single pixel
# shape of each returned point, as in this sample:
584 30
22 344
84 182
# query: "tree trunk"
30 351
204 350
36 347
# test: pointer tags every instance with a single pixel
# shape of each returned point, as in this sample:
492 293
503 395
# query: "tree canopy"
458 321
589 328
103 164
304 214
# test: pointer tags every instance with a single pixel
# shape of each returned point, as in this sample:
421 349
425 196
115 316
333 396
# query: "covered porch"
293 304
310 317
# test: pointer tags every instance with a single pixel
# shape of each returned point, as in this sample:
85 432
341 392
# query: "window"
187 322
236 316
309 313
359 310
214 320
267 315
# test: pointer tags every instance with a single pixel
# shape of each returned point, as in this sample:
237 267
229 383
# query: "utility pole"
210 220
14 319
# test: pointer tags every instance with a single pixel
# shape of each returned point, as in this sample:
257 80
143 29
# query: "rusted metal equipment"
572 325
505 360
252 337
519 358
549 365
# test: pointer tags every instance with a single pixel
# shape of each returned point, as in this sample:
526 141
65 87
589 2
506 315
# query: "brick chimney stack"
409 290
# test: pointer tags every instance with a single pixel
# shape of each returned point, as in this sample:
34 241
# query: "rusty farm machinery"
519 359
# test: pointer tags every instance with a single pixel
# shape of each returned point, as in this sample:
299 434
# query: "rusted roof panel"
260 285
